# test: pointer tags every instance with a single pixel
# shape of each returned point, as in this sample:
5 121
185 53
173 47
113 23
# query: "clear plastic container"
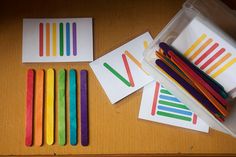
221 20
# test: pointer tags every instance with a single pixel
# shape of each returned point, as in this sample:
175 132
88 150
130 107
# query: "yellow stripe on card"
50 106
198 51
195 44
145 44
225 67
54 39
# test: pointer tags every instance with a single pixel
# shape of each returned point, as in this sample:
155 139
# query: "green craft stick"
61 108
116 74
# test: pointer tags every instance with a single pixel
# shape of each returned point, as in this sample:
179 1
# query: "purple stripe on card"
74 39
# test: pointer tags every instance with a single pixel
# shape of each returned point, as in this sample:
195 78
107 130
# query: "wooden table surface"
113 129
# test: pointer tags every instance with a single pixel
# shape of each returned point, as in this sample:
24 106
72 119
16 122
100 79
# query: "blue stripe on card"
165 97
169 109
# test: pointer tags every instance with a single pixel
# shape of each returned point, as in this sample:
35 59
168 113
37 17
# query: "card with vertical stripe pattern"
160 105
57 40
211 51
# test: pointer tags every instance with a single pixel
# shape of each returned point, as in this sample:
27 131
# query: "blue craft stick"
73 107
213 83
196 94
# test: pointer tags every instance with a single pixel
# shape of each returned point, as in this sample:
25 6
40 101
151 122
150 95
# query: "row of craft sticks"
39 86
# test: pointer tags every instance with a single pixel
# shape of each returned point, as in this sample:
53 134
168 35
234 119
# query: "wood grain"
113 129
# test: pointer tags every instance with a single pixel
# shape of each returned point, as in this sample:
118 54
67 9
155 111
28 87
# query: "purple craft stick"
84 107
74 39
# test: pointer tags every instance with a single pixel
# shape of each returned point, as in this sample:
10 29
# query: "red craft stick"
29 108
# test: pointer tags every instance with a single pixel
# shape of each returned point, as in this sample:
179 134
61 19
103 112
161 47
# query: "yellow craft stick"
135 61
195 44
226 66
50 106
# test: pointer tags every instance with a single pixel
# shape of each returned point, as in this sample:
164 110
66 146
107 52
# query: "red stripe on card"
41 39
128 70
194 118
212 48
154 103
209 61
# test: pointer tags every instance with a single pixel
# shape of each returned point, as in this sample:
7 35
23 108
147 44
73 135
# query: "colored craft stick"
197 52
201 84
74 39
218 63
175 110
61 40
128 70
210 60
155 97
61 107
214 84
68 39
39 94
50 106
196 94
195 44
29 108
84 107
225 67
135 61
47 39
174 67
113 71
207 53
73 107
54 39
41 39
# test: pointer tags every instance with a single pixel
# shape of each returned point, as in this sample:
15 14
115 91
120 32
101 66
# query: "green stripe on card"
166 114
61 40
113 71
165 91
172 104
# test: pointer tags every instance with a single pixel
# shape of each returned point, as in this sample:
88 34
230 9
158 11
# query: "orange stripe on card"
225 67
195 44
47 39
135 61
198 51
218 63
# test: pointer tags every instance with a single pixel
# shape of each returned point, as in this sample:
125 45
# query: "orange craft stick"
39 107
